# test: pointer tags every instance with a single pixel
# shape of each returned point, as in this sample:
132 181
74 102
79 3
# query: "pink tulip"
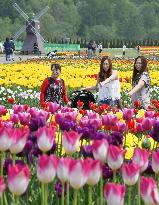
63 169
155 161
78 173
2 186
97 123
66 109
149 191
44 114
45 138
7 124
127 114
70 141
149 114
19 140
46 169
18 108
91 115
2 108
18 178
14 118
58 117
53 107
130 173
5 138
120 126
141 158
34 112
71 116
95 171
109 120
115 157
24 118
100 149
94 122
114 193
139 127
84 121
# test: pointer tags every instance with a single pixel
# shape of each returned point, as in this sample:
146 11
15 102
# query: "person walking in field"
124 49
7 49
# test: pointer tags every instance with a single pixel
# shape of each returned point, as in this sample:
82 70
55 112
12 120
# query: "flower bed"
73 156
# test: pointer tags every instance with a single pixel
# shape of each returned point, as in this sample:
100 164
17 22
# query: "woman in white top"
107 83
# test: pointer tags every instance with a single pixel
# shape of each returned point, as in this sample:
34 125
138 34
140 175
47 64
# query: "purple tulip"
127 114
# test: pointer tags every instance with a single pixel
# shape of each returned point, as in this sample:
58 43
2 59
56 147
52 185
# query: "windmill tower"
32 28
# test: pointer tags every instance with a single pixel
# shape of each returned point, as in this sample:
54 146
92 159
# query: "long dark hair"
144 67
102 73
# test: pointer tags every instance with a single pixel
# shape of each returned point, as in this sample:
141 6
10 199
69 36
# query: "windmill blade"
25 16
34 30
42 12
18 33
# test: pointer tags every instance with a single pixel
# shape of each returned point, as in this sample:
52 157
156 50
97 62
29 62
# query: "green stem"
13 158
51 119
101 192
129 197
42 194
75 196
58 139
114 176
126 132
2 162
5 199
158 181
2 200
16 200
139 198
67 196
61 144
63 189
46 193
89 195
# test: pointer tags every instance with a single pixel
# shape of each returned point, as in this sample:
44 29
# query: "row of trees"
113 43
90 19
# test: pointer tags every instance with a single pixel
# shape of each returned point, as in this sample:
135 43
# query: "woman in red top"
53 88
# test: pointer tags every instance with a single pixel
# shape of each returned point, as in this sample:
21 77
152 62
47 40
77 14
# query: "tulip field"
70 156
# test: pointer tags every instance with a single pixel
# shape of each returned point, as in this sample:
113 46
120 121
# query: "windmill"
32 28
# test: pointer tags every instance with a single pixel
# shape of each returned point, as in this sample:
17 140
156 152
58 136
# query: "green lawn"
130 52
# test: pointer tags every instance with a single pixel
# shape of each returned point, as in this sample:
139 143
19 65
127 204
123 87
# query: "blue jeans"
7 56
110 102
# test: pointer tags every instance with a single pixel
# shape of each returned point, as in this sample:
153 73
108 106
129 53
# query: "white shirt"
109 90
1 47
124 47
100 46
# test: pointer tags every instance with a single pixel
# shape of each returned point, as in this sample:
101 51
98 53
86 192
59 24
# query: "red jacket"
44 88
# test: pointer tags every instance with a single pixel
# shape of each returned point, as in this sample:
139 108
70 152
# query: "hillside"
90 19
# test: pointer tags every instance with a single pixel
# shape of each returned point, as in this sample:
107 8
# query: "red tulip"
10 100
